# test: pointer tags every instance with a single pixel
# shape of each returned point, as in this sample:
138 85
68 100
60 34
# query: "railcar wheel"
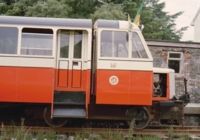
52 122
139 117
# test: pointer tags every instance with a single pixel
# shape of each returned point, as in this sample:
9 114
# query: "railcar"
75 69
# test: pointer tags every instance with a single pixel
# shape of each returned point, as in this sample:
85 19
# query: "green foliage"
109 11
112 135
23 133
19 8
159 25
3 7
49 8
81 8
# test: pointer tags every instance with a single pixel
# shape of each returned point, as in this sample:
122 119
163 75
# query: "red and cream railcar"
51 61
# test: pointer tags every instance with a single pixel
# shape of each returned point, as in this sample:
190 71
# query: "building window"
37 41
174 61
8 40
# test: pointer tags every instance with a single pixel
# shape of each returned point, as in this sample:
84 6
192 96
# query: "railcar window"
114 44
64 44
8 40
120 44
106 43
37 41
138 50
77 44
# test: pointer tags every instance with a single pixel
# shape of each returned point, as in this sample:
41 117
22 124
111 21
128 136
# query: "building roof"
195 17
44 21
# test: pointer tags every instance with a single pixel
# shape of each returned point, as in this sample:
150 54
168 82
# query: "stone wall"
189 68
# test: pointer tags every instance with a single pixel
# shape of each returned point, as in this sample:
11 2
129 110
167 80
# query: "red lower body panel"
37 85
33 85
131 88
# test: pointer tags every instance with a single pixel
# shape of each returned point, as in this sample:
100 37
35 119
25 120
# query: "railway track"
159 131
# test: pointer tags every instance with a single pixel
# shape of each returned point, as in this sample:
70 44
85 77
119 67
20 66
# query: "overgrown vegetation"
158 24
25 133
22 133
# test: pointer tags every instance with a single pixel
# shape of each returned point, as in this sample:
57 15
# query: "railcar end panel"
121 87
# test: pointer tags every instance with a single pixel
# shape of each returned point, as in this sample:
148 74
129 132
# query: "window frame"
177 59
129 58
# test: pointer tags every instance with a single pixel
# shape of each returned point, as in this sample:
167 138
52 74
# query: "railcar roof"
107 23
44 21
116 24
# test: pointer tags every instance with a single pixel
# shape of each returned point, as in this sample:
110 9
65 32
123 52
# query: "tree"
158 24
81 8
49 8
16 8
109 11
3 7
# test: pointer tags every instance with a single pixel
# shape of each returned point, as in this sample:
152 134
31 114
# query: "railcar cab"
124 67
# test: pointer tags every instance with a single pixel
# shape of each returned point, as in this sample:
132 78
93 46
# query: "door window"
71 44
78 44
64 44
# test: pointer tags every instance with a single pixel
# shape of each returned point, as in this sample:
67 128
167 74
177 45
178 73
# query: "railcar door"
69 60
72 83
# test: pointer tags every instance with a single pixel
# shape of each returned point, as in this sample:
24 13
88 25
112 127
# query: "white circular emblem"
113 80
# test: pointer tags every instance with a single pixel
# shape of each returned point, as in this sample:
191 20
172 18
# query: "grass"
111 135
24 133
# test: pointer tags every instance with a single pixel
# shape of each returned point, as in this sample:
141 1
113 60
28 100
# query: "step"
69 97
69 113
70 103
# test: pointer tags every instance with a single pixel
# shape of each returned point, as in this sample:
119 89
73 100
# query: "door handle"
75 63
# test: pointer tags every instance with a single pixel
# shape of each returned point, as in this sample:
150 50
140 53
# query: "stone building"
184 58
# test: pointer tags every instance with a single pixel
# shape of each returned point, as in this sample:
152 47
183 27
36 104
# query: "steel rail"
148 131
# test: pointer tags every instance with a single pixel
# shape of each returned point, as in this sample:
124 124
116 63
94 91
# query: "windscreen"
114 44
